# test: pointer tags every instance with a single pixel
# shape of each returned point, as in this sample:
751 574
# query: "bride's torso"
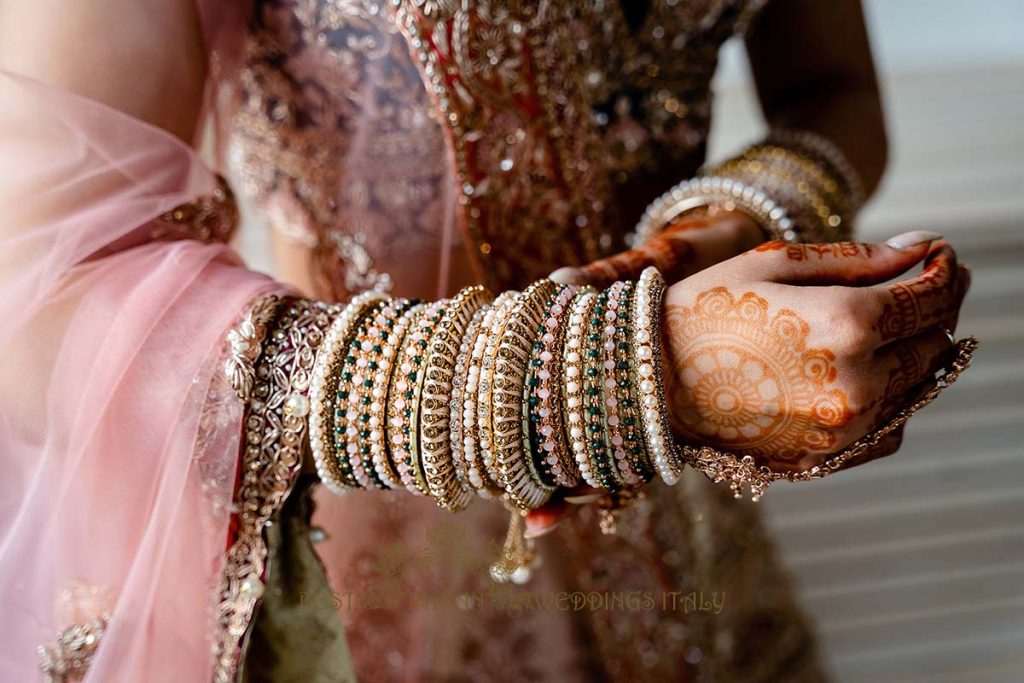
426 144
511 137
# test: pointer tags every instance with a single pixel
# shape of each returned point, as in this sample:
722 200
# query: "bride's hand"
792 352
688 246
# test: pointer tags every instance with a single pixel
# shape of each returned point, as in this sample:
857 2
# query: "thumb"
842 263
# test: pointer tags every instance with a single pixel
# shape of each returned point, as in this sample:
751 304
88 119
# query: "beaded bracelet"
460 384
594 422
573 386
445 487
646 315
357 384
609 396
629 416
522 486
379 351
730 194
403 415
542 393
325 395
477 474
816 218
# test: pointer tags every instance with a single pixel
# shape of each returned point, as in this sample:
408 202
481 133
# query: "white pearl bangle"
661 444
719 191
573 389
335 340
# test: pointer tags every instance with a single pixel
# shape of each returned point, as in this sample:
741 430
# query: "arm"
813 69
120 441
142 57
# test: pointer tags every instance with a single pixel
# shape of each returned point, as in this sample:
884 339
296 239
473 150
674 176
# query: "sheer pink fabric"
118 440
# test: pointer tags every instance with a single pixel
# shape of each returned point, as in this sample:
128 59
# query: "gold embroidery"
555 113
87 609
335 137
212 218
271 457
70 657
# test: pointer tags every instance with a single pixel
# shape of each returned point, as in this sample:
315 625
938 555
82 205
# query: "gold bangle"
476 471
525 490
461 438
798 164
823 152
485 385
324 388
403 408
434 437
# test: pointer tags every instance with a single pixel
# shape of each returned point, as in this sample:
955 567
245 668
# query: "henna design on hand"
744 379
804 252
902 378
921 303
669 252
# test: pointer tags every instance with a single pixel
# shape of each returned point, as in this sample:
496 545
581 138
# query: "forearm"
509 397
814 71
847 114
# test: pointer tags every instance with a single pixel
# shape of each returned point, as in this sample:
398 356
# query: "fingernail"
912 239
568 276
542 531
583 500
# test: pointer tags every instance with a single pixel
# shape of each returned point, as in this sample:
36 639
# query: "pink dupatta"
118 436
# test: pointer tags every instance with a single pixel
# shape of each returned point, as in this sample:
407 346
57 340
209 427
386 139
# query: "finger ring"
949 335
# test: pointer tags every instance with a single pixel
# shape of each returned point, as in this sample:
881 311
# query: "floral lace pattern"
335 137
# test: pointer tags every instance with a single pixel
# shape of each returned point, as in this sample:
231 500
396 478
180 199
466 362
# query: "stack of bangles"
513 398
796 185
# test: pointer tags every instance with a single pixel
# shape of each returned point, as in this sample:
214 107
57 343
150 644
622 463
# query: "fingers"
906 365
546 518
887 445
963 286
669 252
908 307
564 503
904 371
686 247
840 263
